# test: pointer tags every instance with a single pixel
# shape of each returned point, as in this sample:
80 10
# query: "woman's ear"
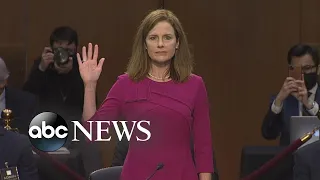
178 43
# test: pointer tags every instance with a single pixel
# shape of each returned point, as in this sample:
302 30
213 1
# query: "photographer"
55 76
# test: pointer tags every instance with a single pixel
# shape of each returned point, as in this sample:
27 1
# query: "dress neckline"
158 82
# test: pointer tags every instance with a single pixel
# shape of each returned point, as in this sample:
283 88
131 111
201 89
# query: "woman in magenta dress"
158 87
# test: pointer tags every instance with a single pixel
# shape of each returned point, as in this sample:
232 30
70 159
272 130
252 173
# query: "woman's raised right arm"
90 71
89 104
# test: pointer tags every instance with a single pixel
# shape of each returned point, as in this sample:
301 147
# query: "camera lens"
61 56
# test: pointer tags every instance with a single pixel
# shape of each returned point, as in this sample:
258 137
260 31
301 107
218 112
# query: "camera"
61 56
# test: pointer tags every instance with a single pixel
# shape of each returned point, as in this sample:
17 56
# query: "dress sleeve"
202 131
110 109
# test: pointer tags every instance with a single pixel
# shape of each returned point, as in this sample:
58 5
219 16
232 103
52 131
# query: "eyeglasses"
306 68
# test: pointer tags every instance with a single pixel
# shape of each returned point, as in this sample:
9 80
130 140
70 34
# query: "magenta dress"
177 112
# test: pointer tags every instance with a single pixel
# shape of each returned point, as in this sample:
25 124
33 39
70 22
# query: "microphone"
160 166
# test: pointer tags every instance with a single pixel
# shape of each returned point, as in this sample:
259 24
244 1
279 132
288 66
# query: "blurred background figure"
55 77
22 104
55 81
297 97
306 162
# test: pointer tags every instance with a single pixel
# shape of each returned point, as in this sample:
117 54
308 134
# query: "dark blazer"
275 125
59 93
122 150
23 106
307 162
16 149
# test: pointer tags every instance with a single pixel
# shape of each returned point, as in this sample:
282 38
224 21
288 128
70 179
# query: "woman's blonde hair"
139 65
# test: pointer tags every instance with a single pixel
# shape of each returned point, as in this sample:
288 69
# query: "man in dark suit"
296 97
16 150
122 150
22 104
307 164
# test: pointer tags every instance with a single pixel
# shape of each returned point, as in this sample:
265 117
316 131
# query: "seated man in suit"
122 150
22 104
16 150
307 164
296 97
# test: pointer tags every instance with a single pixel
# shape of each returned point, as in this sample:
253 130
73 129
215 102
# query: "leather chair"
110 173
253 157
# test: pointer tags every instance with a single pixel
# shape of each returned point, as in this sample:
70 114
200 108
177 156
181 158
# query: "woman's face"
161 42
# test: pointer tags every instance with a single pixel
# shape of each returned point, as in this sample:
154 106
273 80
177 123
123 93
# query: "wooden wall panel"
12 39
240 50
310 24
12 18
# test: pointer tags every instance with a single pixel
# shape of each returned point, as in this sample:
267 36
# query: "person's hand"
289 87
302 94
65 68
46 58
89 67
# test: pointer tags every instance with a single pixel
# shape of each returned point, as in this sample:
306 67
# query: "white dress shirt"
311 99
2 100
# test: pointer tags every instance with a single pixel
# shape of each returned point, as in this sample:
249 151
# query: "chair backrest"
110 173
253 157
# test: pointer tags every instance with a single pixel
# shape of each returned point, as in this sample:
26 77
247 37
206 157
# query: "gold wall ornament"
7 117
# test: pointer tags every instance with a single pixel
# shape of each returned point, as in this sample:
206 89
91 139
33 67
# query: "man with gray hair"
4 74
22 104
16 149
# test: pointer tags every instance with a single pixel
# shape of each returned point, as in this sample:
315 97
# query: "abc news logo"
49 132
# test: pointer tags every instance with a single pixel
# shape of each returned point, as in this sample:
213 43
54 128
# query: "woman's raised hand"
89 66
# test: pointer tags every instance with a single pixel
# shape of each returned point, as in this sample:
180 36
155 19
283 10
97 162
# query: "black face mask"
310 80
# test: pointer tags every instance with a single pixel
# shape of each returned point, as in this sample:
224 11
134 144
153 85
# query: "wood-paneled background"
240 49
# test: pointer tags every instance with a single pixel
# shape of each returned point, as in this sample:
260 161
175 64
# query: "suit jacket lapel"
317 95
3 145
11 101
2 131
8 99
